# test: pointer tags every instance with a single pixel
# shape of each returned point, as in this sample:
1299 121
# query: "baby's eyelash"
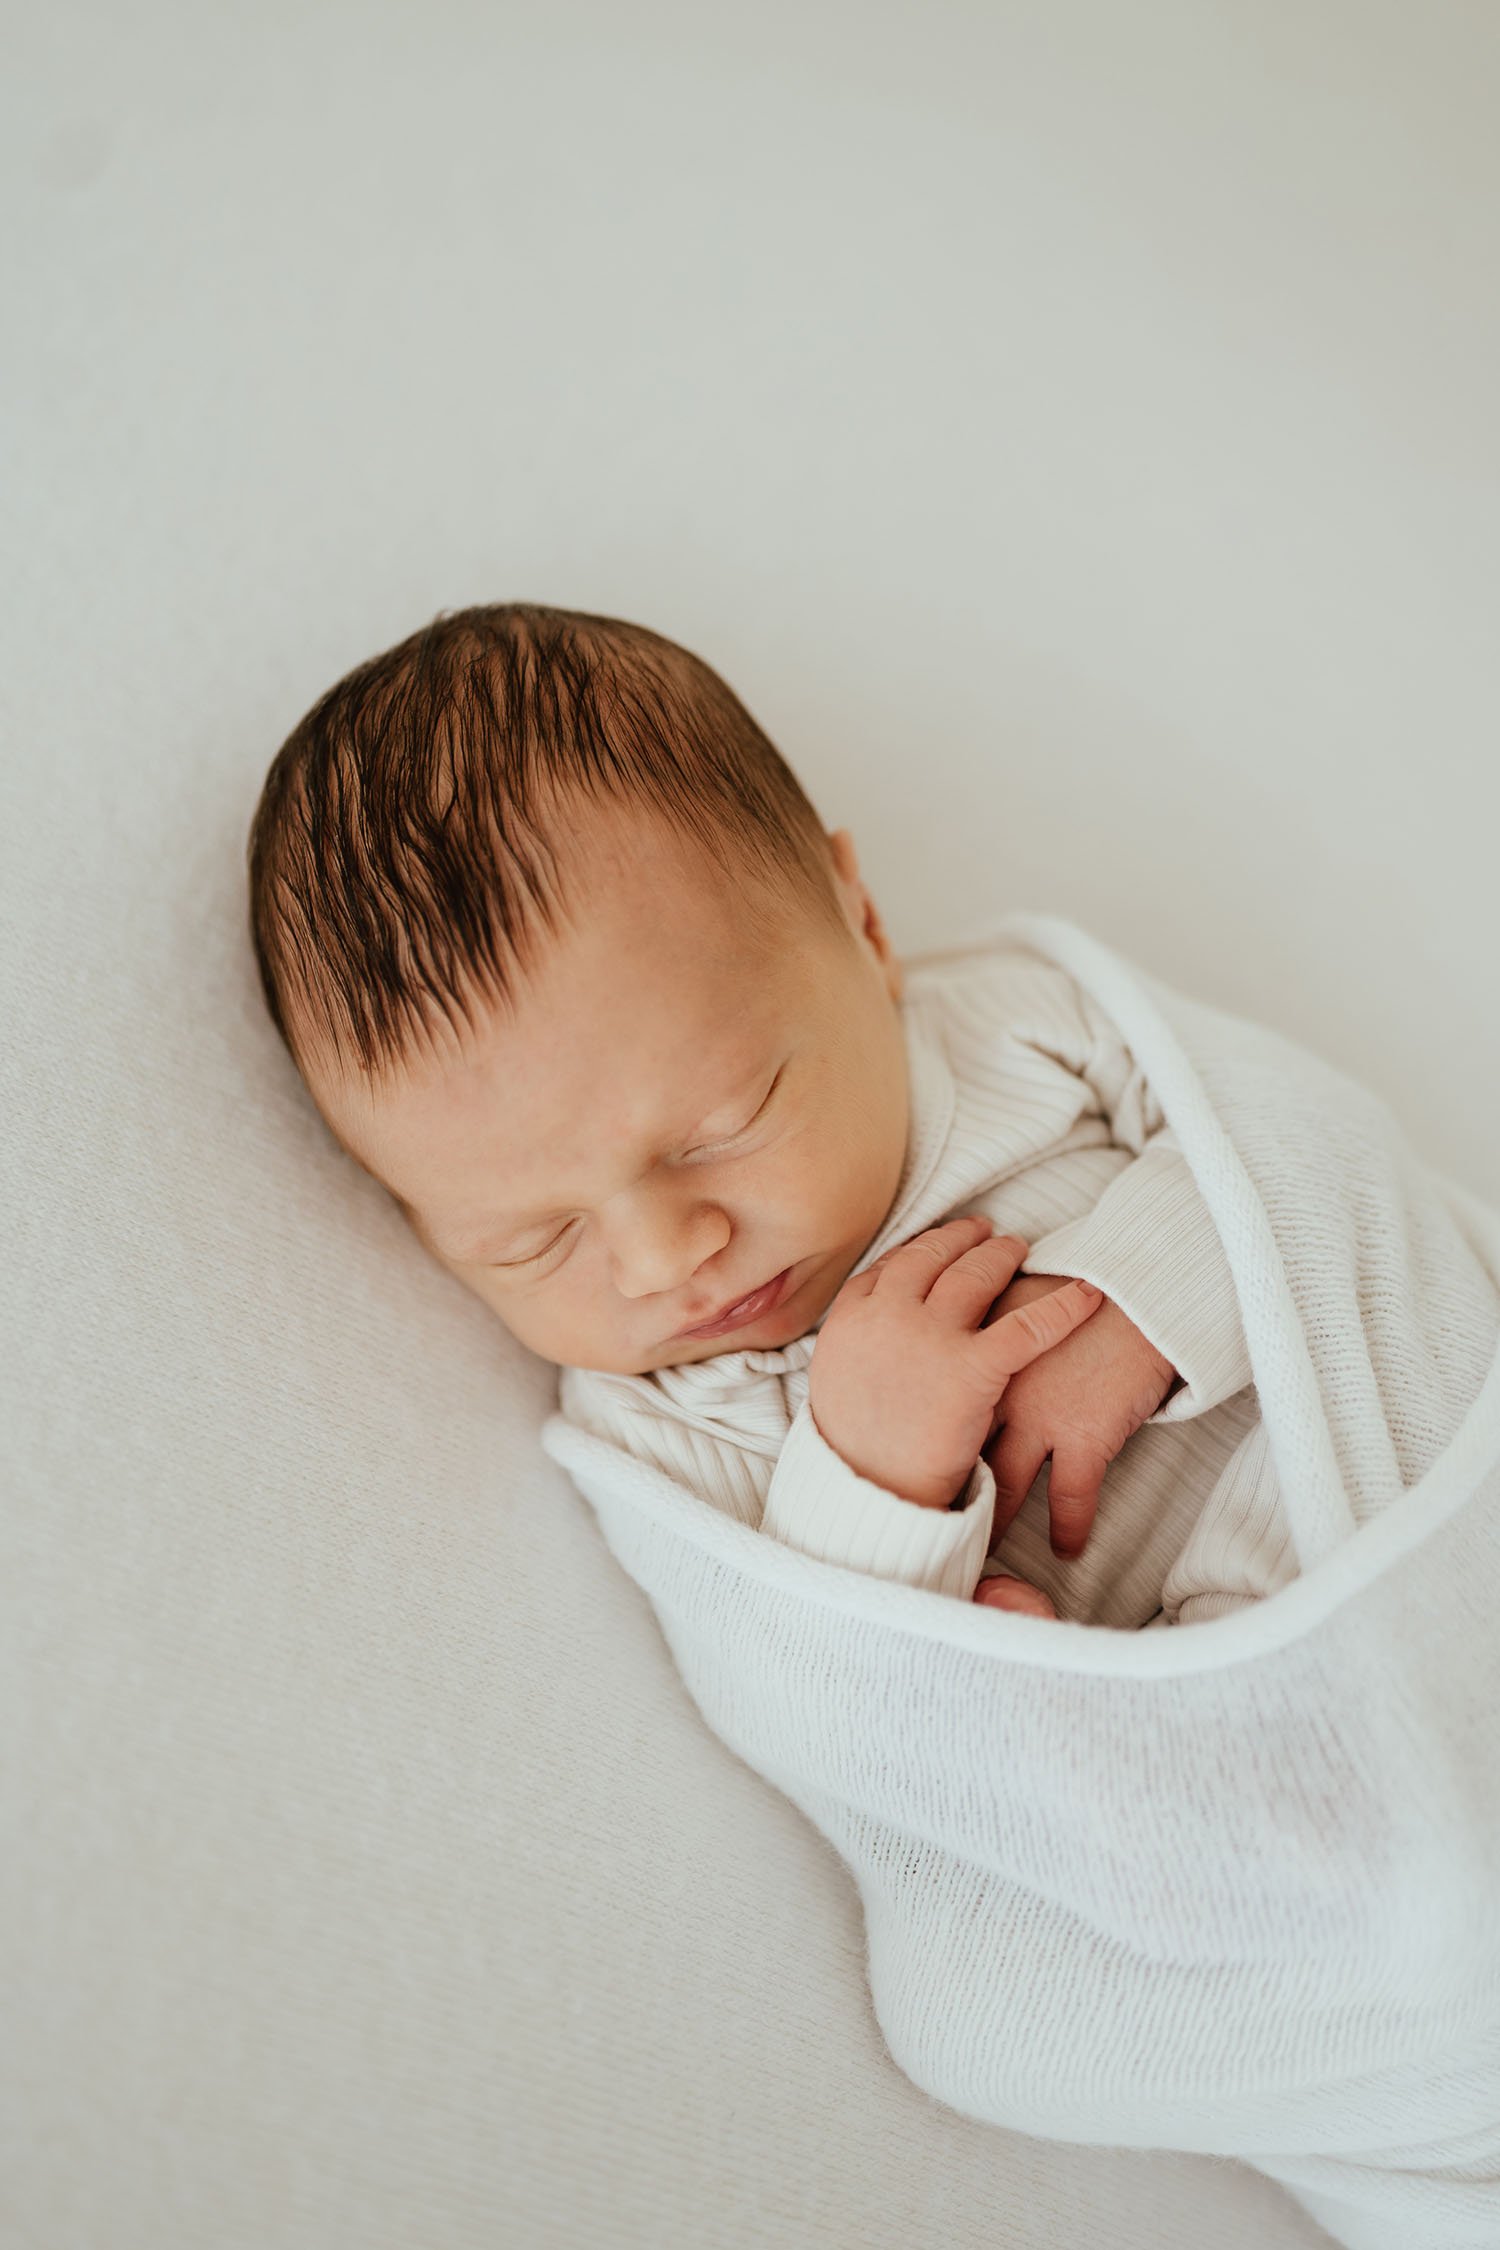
505 1265
707 1147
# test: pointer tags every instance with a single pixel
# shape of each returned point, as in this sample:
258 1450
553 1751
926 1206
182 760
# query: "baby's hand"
904 1379
1079 1403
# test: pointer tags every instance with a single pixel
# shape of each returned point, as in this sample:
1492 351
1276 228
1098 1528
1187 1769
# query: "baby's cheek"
572 1326
489 1287
481 1284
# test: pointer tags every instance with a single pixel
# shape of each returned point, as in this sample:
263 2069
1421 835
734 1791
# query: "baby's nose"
651 1259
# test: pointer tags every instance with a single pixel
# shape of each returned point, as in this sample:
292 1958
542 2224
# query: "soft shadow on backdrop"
1071 431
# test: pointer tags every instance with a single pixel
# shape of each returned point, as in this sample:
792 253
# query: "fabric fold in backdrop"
1234 1887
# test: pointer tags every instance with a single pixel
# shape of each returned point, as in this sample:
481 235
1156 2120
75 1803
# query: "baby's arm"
795 1489
1167 1344
819 1504
1151 1245
1149 1241
881 1469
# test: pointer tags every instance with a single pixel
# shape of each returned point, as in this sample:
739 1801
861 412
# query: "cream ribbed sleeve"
1150 1244
818 1503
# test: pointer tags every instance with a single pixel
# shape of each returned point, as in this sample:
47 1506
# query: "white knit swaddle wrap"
1235 1887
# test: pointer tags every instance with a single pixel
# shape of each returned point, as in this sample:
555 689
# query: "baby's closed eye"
705 1148
532 1257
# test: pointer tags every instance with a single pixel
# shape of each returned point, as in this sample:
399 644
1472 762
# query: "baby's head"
570 966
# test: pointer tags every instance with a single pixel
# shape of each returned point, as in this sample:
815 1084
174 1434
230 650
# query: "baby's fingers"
1078 1468
1014 1593
1016 1462
966 1289
911 1268
1019 1337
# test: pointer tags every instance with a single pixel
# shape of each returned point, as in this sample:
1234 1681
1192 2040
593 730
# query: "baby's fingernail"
1087 1289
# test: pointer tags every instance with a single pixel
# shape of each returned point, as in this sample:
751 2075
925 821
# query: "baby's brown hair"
401 857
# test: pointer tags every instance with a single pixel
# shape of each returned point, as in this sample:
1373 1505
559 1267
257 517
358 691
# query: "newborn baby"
570 965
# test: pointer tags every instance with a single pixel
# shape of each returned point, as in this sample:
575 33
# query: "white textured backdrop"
1070 428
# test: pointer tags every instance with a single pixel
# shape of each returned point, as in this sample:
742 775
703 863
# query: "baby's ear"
857 902
863 910
842 852
875 932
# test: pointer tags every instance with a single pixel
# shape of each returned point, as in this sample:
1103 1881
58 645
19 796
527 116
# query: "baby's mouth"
745 1309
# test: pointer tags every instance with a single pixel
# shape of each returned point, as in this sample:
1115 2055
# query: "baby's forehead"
660 1050
653 974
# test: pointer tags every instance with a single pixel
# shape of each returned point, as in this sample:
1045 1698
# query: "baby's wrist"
938 1493
921 1492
